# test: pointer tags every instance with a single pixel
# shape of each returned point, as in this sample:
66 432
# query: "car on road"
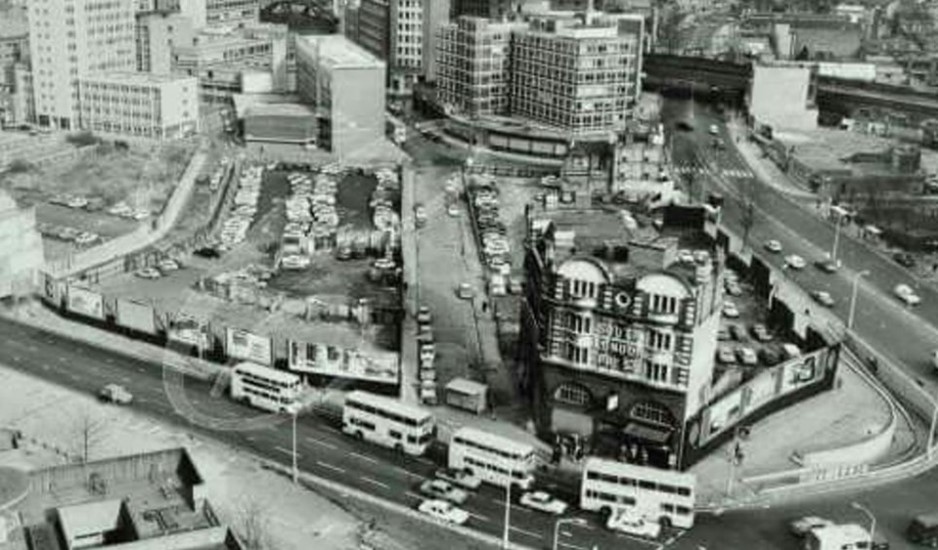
795 261
120 209
802 526
823 297
773 246
443 490
723 333
714 129
115 393
461 478
761 333
544 502
725 355
904 259
827 266
444 511
77 202
729 310
747 356
465 291
148 273
907 295
627 521
167 265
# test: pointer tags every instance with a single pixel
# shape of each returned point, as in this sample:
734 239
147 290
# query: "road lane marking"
526 532
574 546
374 482
364 457
330 467
287 452
414 495
319 442
408 472
479 517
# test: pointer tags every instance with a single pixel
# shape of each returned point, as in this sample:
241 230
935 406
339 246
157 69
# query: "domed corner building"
618 336
21 252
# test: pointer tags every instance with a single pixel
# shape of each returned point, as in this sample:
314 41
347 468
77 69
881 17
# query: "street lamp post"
295 469
505 541
836 238
853 297
931 427
559 522
865 510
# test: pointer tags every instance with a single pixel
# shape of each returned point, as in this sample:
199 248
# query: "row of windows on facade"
583 325
651 369
543 74
568 110
624 500
650 412
528 55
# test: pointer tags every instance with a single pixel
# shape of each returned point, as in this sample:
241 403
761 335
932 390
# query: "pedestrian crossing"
703 170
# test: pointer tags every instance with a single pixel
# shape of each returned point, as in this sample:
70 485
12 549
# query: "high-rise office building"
490 9
157 34
580 77
69 39
472 65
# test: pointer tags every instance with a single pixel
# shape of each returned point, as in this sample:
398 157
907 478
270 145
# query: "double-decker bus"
388 422
664 496
492 458
266 388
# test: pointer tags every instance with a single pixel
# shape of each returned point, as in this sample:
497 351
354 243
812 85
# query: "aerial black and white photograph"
468 274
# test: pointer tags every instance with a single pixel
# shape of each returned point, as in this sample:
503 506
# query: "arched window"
652 413
573 394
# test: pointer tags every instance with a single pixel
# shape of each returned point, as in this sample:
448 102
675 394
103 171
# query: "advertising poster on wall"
801 372
247 346
85 302
724 413
326 360
136 316
52 290
188 331
762 389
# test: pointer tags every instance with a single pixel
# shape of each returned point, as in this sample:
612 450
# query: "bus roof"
413 411
840 534
499 441
267 372
606 466
928 520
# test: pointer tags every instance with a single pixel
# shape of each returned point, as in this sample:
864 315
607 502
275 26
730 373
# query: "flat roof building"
69 39
346 85
619 343
158 32
140 104
582 78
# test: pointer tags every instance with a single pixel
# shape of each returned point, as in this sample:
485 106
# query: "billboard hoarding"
327 360
187 330
247 346
85 302
136 316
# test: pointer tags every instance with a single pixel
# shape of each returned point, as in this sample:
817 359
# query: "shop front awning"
658 436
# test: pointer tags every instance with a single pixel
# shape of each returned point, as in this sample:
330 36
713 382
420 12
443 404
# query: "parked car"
729 310
725 355
168 265
148 273
207 252
738 333
770 356
544 502
114 393
795 261
714 129
733 289
761 333
423 315
444 511
444 490
904 259
120 209
827 266
86 238
461 478
77 202
907 295
723 333
747 356
823 297
773 246
801 526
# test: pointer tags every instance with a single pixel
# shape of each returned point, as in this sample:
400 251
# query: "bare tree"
747 218
252 524
87 431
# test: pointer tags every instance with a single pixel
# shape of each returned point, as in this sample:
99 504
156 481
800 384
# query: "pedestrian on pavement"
485 306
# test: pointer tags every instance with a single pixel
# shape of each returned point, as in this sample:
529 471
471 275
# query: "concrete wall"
127 468
358 105
787 110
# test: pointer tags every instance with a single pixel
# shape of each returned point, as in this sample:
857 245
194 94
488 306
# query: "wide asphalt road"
322 448
906 335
